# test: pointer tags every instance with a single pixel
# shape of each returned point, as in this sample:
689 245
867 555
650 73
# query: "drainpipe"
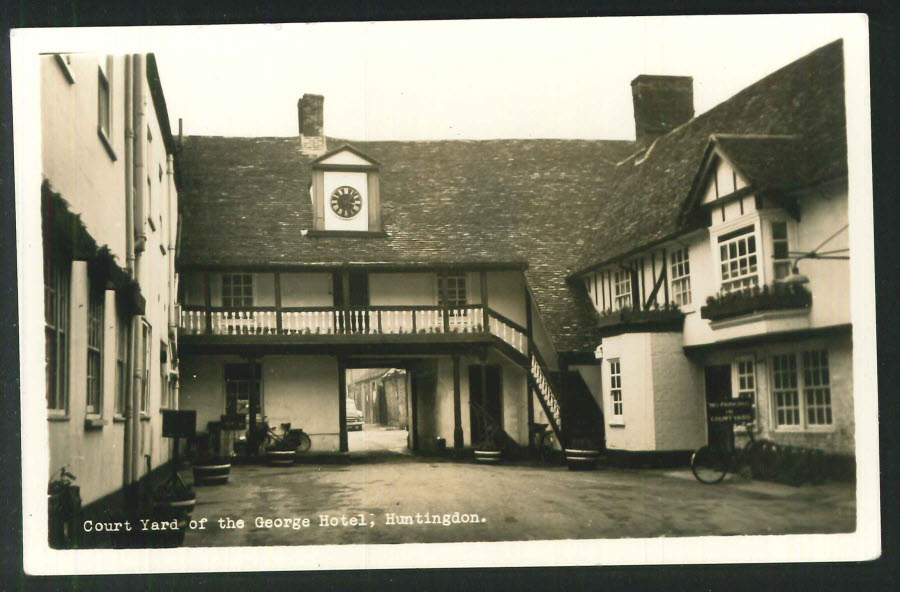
138 76
172 229
129 264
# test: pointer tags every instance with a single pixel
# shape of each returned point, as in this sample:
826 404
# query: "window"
237 290
623 288
239 380
615 390
95 315
681 277
122 332
164 390
452 290
782 266
746 380
814 408
146 334
816 388
56 331
103 104
737 259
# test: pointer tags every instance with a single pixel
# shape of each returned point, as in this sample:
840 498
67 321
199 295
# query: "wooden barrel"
215 473
281 458
488 456
578 459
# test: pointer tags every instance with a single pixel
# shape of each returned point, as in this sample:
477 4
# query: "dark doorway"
718 388
490 398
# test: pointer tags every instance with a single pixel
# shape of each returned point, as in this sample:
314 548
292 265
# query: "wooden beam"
278 301
484 300
457 405
345 292
342 404
665 274
207 299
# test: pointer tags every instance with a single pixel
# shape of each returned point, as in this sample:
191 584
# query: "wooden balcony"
371 324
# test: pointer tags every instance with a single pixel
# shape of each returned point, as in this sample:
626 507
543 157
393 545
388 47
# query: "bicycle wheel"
709 465
303 442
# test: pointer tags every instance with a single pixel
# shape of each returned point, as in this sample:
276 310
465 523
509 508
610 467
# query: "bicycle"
296 439
542 440
710 464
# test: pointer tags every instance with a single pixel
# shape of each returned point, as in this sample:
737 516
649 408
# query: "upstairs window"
681 277
782 265
452 291
623 288
95 316
738 259
237 290
56 332
144 386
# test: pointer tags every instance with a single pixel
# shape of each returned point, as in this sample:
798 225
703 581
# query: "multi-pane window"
615 389
782 265
622 280
452 290
122 331
817 388
738 259
237 290
784 382
56 332
95 351
746 380
240 380
681 276
146 334
103 103
812 379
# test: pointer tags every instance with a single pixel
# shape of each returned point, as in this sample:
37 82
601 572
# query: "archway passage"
378 410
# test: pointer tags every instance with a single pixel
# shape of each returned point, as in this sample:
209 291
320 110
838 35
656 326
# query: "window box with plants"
667 316
778 296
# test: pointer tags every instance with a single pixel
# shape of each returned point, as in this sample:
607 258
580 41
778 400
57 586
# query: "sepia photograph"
357 295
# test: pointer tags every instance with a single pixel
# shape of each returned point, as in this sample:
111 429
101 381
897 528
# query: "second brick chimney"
661 103
311 117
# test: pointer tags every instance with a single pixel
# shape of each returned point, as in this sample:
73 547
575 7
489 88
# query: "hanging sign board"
734 411
181 423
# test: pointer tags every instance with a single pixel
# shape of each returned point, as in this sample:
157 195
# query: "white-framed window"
622 286
817 388
56 332
780 250
146 334
452 290
681 276
745 380
615 391
738 259
95 321
237 290
123 329
812 379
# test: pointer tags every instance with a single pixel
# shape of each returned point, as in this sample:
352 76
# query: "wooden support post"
345 292
278 302
529 334
457 406
207 300
445 308
484 301
665 274
342 403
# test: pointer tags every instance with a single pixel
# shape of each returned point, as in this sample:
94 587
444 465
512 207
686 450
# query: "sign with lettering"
732 411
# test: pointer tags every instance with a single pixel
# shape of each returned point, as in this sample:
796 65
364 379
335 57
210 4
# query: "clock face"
346 202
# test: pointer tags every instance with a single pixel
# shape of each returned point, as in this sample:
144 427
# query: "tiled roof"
803 99
246 200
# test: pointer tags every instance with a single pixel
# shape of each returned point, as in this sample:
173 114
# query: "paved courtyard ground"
510 502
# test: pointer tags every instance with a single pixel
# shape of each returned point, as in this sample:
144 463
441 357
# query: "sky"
539 78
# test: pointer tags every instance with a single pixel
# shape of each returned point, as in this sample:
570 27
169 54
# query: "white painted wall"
306 289
637 433
396 289
679 400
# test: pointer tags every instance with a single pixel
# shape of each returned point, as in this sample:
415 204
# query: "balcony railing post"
485 325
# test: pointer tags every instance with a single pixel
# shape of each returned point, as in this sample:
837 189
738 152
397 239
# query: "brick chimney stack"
311 117
661 103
